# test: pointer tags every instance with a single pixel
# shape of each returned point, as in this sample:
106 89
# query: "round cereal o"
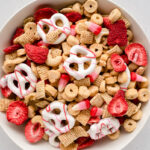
143 95
129 125
97 49
131 94
114 136
90 6
73 112
97 18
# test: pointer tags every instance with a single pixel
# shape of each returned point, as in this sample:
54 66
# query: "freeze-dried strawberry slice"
125 58
117 63
36 54
64 79
19 31
73 16
137 54
33 132
93 120
17 113
118 105
106 22
117 34
44 13
6 92
11 48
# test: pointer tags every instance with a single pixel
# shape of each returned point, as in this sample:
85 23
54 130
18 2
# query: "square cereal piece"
105 114
83 117
86 37
53 76
40 89
67 138
4 103
72 146
50 90
43 72
56 52
98 81
83 82
97 100
106 97
66 48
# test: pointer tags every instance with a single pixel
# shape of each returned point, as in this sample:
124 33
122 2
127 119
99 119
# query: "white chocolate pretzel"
89 56
52 26
103 127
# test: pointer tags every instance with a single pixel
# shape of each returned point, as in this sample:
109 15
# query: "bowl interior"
17 133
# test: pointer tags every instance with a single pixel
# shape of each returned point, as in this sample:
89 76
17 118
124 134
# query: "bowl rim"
112 3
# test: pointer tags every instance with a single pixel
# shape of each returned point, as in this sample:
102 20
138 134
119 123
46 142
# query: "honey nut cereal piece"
86 37
102 86
143 95
72 146
97 18
115 49
90 6
67 138
97 100
31 111
29 36
42 104
72 40
137 116
127 23
98 81
132 109
51 90
143 84
97 49
34 69
53 76
114 136
66 98
79 98
56 52
8 66
52 36
42 71
83 82
109 65
66 10
93 90
84 92
132 85
30 97
114 73
140 70
83 117
122 77
28 19
45 137
80 27
21 52
114 15
53 62
71 111
129 35
106 97
71 90
129 125
104 32
66 48
38 119
131 94
4 103
11 56
112 90
77 7
105 113
40 89
111 80
132 67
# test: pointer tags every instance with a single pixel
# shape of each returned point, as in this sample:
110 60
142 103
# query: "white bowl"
17 133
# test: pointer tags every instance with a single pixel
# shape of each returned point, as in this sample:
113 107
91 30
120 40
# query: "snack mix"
74 76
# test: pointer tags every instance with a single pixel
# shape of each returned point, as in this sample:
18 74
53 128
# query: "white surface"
137 8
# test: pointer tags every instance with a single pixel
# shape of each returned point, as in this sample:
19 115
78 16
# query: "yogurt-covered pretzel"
52 26
103 127
89 56
54 122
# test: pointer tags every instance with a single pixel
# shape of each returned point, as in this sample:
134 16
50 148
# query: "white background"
140 9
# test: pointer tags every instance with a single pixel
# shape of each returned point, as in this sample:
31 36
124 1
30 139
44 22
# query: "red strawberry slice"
6 92
11 48
117 63
107 22
33 132
125 58
36 54
93 120
17 113
117 34
81 140
44 13
118 105
73 16
137 54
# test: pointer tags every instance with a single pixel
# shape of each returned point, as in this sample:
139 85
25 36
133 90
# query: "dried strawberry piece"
125 58
44 13
6 92
11 48
117 34
19 31
73 16
107 22
36 54
28 62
